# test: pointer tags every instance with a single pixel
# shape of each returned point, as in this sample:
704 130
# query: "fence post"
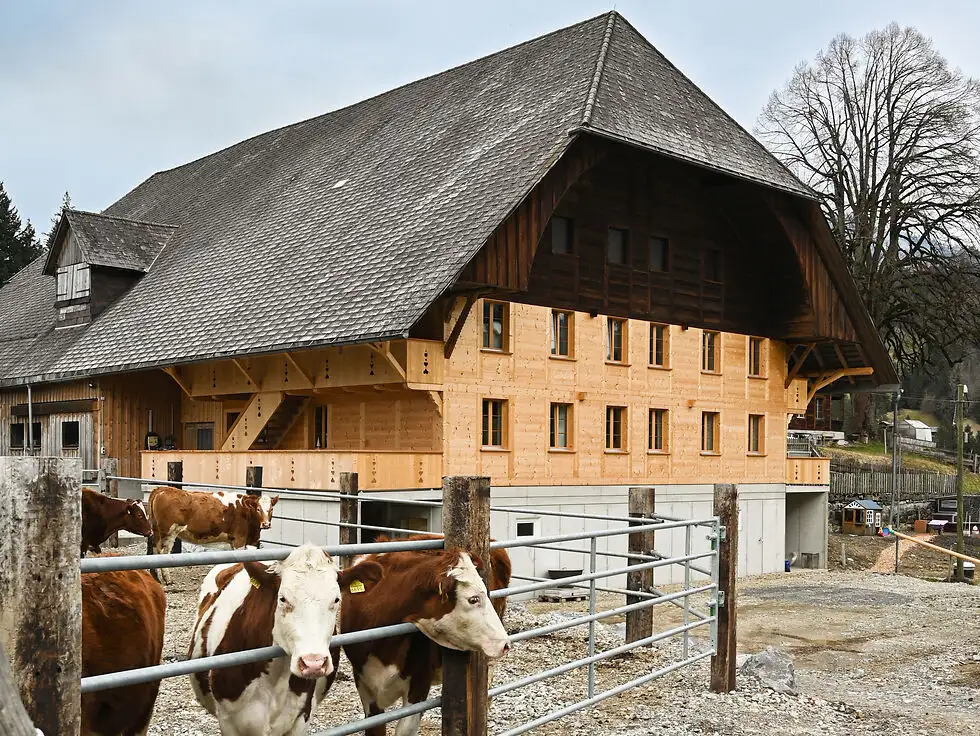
723 663
639 624
110 467
40 586
253 479
466 525
348 512
14 720
175 476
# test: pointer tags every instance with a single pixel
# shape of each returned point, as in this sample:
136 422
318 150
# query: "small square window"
495 325
657 430
658 254
712 264
659 336
16 435
525 528
615 340
755 357
494 415
561 333
560 426
757 434
709 432
69 435
617 247
710 345
562 234
615 427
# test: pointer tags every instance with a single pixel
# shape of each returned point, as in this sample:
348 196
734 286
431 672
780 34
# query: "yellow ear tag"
356 586
255 583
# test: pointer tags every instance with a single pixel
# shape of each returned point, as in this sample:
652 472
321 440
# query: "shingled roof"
346 227
113 242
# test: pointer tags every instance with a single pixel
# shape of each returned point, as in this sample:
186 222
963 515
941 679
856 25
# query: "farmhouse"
561 266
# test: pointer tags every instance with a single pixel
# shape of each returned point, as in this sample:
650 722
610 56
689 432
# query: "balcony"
804 463
316 469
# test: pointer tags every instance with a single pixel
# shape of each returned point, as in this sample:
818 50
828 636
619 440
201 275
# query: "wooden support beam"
384 350
174 374
436 397
299 369
109 466
843 360
348 512
937 548
723 662
799 364
826 379
458 327
639 624
251 379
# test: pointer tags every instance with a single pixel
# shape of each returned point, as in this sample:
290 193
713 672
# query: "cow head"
135 520
458 614
307 585
266 503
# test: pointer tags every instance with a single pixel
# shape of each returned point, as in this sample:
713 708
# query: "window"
199 436
757 434
494 325
561 420
615 339
659 335
849 516
230 418
17 435
320 426
710 343
755 357
709 432
73 282
818 409
657 431
493 422
69 435
561 235
561 333
711 260
617 246
615 421
527 528
658 254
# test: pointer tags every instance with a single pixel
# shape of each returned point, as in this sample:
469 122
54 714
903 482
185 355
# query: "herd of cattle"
297 604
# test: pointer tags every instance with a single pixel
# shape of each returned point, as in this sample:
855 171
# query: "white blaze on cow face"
472 625
265 506
307 609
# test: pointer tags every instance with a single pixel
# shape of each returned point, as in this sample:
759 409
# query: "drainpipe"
29 434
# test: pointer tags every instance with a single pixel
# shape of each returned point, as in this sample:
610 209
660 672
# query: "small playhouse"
862 517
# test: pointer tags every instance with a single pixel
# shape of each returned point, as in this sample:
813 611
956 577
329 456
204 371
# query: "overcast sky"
95 96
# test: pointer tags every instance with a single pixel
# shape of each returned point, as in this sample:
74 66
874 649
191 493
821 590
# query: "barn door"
72 435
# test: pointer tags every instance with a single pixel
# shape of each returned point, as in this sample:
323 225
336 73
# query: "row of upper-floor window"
561 429
496 337
625 248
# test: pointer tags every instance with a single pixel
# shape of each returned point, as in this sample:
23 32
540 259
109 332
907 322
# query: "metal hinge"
718 602
723 533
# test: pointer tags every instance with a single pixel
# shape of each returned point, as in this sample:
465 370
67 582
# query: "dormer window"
74 282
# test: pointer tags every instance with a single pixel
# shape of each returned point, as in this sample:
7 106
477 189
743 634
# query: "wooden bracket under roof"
175 374
458 326
245 372
825 379
384 350
799 364
299 369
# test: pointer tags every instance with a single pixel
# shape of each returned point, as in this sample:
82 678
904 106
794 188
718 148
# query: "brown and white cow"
103 516
440 592
234 519
122 629
292 604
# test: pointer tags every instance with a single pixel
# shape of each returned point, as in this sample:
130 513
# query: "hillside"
874 455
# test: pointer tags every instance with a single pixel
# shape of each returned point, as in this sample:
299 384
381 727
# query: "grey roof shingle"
346 227
116 242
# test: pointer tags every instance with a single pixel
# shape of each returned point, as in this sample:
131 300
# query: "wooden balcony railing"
813 471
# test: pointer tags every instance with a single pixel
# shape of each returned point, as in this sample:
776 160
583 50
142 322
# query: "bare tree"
888 135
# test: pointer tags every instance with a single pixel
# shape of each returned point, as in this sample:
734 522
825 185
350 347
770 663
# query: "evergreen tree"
18 242
56 218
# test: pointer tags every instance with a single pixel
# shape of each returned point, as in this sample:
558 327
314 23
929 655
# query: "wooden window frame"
624 341
714 338
321 427
569 236
759 437
73 281
665 343
666 254
664 415
486 425
78 435
626 246
554 408
715 433
716 253
614 414
486 326
760 370
570 334
818 413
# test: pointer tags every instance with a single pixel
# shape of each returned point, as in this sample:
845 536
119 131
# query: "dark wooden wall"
108 284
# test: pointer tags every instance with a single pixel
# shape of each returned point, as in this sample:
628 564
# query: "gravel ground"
873 654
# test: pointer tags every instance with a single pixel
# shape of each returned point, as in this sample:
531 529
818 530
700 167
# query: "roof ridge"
124 219
600 64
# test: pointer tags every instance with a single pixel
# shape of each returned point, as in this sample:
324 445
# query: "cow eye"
336 600
474 600
282 599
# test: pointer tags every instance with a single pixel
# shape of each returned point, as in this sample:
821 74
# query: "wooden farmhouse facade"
560 266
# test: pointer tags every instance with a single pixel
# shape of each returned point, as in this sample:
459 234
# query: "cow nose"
506 647
314 665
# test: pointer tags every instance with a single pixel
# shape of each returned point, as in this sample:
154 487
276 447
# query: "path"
886 560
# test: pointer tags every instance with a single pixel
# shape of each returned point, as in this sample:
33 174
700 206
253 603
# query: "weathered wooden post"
723 663
14 720
175 477
110 467
466 526
40 586
639 624
253 479
348 512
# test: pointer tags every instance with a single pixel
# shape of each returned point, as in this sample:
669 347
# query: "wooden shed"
862 517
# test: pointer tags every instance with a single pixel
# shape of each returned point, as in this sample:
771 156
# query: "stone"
773 669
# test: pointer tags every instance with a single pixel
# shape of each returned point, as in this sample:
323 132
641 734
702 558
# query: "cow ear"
369 573
477 562
261 573
275 500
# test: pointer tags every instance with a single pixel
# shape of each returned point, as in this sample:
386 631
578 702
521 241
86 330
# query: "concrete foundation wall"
806 523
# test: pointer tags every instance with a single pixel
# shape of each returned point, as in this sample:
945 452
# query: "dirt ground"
917 561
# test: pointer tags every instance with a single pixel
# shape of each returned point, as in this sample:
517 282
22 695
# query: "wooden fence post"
253 479
348 512
639 624
14 720
110 467
40 586
175 477
466 525
723 663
